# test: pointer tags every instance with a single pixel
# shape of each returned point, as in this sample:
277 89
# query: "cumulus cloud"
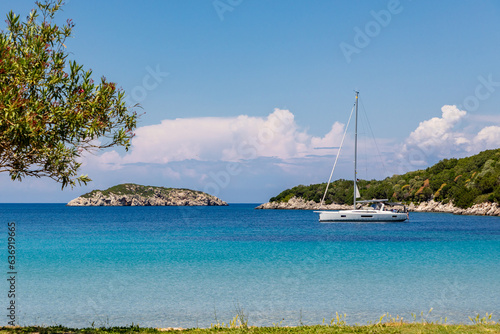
488 137
223 155
224 139
436 132
443 137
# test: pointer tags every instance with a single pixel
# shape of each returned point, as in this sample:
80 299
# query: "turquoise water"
188 266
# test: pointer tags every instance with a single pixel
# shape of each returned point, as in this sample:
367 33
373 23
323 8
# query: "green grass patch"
412 328
338 324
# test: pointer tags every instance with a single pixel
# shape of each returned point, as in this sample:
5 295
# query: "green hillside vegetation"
465 182
134 189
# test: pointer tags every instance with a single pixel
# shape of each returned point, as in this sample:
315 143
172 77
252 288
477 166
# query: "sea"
198 266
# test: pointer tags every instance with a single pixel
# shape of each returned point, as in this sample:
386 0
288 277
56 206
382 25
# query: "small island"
130 194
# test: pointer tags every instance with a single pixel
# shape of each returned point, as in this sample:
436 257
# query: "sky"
246 98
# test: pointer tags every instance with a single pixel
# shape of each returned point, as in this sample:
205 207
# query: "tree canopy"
51 110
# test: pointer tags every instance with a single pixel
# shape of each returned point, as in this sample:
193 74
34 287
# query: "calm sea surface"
188 266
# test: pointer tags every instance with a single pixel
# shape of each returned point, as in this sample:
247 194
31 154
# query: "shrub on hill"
465 182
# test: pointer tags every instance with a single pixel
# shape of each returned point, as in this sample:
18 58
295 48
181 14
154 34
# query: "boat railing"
382 205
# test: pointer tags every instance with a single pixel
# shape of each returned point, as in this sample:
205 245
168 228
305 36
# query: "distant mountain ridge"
130 194
463 182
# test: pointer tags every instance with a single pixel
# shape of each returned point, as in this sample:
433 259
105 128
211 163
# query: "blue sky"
237 93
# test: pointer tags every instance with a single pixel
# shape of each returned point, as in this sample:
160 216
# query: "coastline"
481 209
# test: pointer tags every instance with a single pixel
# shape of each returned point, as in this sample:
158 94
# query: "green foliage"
465 182
51 110
136 189
486 320
340 191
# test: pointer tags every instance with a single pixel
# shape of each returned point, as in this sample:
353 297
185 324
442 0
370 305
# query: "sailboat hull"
361 216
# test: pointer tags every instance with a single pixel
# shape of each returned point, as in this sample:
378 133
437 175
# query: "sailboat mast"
355 150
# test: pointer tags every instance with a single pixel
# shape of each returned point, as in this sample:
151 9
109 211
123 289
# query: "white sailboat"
377 213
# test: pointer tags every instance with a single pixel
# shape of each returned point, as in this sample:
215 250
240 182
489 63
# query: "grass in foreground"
403 328
239 324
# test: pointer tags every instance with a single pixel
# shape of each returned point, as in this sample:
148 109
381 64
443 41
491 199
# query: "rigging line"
373 136
336 159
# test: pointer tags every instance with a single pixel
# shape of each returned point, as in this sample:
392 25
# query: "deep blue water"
187 266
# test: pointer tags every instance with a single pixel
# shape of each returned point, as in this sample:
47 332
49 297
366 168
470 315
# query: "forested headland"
464 182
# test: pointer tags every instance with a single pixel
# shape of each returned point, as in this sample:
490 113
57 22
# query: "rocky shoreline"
156 196
482 209
295 203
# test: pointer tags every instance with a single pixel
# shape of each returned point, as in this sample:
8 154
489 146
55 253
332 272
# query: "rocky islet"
137 195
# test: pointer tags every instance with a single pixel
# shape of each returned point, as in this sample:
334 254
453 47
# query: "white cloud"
105 161
444 137
332 138
488 137
169 173
230 157
224 139
436 132
223 155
